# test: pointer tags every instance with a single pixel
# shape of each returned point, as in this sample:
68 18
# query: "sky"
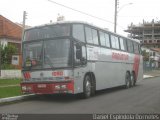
42 11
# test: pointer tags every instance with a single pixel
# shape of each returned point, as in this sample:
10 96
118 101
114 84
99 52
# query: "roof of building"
156 49
9 29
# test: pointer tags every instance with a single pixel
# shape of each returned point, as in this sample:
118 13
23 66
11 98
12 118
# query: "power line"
80 11
83 13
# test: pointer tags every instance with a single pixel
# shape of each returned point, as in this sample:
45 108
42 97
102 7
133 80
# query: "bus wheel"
87 87
133 79
127 80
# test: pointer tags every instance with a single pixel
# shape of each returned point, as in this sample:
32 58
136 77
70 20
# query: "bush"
7 66
6 56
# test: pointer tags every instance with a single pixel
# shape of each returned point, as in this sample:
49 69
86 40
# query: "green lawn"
10 91
5 82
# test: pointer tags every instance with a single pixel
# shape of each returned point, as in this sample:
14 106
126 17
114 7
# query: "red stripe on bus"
27 75
136 65
24 75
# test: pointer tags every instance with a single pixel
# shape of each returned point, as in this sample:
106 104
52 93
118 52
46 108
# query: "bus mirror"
78 52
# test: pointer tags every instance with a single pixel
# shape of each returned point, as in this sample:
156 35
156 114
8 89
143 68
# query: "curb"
16 98
151 77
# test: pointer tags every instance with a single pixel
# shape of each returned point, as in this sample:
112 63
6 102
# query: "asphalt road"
143 98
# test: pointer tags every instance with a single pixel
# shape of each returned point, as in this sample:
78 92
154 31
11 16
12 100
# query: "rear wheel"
133 79
127 80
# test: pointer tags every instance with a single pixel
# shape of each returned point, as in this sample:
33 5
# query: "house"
11 33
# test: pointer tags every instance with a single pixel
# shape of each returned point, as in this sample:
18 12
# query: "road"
143 98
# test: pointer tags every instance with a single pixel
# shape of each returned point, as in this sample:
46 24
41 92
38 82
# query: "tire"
87 87
93 85
127 80
133 79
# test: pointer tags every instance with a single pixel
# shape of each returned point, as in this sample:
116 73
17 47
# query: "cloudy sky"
42 11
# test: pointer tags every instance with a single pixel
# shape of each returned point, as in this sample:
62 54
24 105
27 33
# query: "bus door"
80 61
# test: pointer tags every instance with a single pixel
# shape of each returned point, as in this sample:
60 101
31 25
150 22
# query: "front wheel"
87 89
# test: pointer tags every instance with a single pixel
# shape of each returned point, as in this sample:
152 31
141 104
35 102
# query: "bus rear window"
51 31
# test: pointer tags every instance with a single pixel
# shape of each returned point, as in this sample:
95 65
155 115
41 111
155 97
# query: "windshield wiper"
49 60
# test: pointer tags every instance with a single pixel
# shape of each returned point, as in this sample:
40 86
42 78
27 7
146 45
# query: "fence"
148 66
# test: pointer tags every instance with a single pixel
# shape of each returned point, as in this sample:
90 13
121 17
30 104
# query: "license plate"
41 86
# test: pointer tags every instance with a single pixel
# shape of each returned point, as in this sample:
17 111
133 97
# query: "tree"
6 55
145 55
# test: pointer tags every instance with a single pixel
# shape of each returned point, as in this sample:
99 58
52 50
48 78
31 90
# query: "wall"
11 74
3 42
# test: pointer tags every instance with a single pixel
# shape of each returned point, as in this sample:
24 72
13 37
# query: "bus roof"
81 22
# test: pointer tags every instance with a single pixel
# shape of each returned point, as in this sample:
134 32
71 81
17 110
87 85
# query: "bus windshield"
47 54
44 32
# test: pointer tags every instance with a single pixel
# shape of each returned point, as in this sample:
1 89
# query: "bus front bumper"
48 88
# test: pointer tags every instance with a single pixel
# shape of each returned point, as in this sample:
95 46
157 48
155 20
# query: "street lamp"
116 12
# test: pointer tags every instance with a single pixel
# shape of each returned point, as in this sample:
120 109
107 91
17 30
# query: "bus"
77 57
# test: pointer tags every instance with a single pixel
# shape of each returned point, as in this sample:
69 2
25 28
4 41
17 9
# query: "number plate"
41 86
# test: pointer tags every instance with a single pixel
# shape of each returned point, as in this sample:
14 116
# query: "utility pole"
115 17
23 27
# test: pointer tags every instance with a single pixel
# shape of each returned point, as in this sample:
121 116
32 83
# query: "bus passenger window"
136 48
130 46
104 39
91 36
123 44
114 42
95 36
88 35
78 32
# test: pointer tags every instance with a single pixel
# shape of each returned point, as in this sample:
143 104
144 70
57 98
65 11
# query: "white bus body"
84 65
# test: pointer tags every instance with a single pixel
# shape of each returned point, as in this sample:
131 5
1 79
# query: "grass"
5 82
10 91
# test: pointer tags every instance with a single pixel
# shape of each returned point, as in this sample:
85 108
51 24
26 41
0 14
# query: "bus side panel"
109 66
79 74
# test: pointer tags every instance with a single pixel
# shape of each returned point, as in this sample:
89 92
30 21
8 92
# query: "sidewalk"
153 73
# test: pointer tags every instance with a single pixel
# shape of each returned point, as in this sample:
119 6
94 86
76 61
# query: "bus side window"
123 44
130 46
140 50
136 48
95 36
114 42
104 39
88 35
78 32
80 54
91 36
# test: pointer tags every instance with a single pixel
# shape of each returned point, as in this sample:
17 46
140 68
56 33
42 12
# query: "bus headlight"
57 87
24 88
63 86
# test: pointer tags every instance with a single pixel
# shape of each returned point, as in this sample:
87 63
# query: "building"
147 32
152 57
10 33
